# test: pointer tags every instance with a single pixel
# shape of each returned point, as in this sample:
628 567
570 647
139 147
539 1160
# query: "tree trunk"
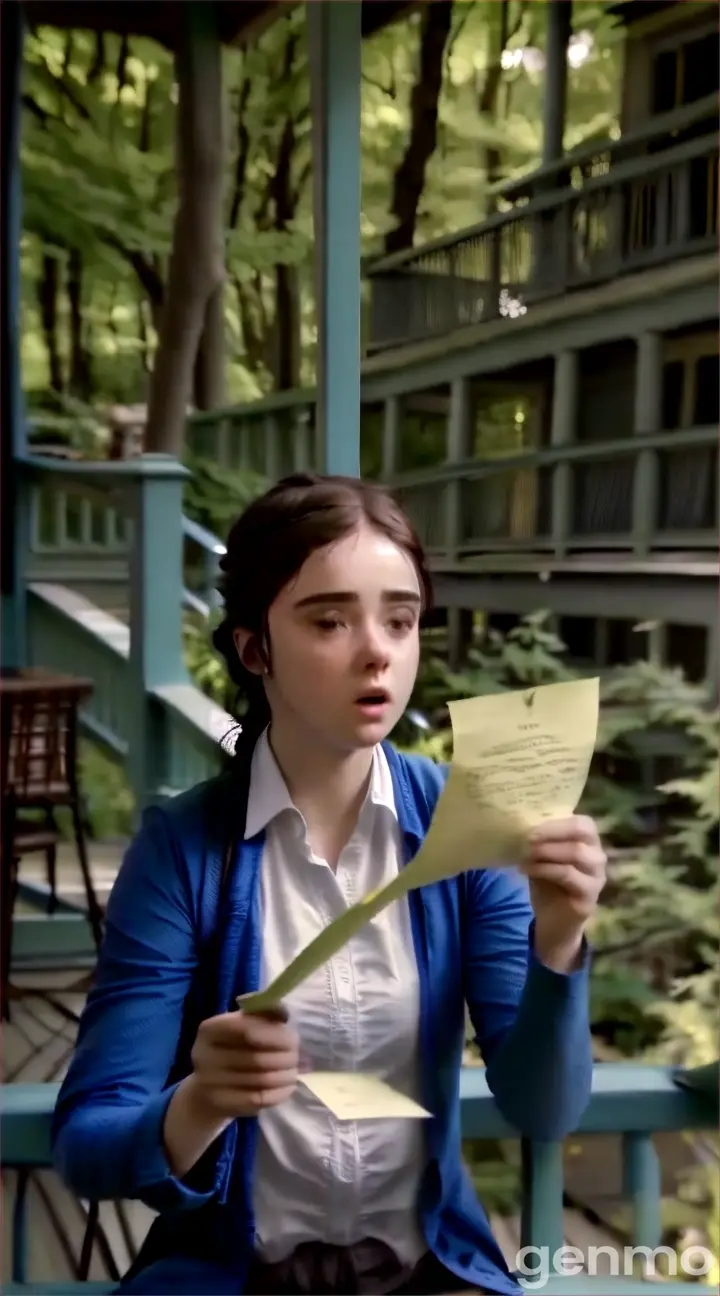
286 359
80 366
489 95
209 371
47 299
196 267
409 179
287 304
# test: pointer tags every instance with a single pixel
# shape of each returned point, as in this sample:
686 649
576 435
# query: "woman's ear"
248 650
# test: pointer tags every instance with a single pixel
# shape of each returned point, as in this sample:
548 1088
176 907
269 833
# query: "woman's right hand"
244 1062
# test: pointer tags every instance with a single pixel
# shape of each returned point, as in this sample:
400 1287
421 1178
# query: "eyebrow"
388 596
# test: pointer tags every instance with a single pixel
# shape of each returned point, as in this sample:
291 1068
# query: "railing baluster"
61 510
542 1205
641 1184
19 1227
273 460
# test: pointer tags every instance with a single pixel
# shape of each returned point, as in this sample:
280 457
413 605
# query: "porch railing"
80 534
633 1101
645 494
610 218
89 523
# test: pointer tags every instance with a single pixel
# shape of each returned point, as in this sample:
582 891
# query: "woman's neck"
327 788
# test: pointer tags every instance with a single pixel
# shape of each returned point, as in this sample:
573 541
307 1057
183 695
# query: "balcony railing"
611 218
632 1101
643 494
646 494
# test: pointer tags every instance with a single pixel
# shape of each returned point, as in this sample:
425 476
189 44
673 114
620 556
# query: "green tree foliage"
100 189
654 788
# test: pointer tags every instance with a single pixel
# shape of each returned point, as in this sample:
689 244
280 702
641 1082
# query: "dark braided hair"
268 545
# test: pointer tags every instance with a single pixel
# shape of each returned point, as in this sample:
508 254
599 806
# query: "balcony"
648 496
609 210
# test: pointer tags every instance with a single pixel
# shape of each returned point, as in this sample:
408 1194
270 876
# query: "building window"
672 394
686 73
625 643
686 646
707 392
579 636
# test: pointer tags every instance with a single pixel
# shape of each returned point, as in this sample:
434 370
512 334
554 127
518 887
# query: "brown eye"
401 624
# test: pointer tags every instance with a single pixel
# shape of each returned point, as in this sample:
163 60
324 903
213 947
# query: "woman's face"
344 638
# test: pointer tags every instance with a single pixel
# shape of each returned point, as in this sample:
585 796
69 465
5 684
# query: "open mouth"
373 701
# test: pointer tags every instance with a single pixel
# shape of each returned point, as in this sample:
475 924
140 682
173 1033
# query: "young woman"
175 1097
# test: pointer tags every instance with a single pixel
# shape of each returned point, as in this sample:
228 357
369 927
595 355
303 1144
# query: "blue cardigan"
158 977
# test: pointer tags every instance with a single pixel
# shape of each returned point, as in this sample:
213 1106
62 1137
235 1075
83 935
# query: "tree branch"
465 14
148 274
243 152
409 178
98 63
197 261
59 84
390 91
33 107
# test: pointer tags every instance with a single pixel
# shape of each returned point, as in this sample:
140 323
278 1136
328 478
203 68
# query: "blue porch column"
335 42
12 420
156 630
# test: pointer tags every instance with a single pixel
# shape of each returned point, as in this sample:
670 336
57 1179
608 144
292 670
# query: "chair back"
38 739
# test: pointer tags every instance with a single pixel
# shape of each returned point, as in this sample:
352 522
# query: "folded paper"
351 1096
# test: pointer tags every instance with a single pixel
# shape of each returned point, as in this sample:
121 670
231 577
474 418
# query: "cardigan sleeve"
108 1125
532 1024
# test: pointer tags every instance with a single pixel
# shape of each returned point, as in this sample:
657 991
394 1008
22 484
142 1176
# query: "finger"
587 859
270 1034
564 876
232 1029
233 1102
574 828
277 1013
243 1062
249 1082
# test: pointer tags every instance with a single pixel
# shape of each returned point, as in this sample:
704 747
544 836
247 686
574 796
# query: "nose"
373 651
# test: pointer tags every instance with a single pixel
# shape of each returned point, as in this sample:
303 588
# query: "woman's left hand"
566 869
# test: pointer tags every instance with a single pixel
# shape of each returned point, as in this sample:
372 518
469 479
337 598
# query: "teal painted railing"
79 535
642 494
571 498
144 708
633 1101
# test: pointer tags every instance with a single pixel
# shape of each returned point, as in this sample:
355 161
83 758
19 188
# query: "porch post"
563 432
156 602
335 42
559 20
648 420
12 421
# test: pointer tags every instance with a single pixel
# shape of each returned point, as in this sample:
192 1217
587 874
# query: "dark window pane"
707 392
672 394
